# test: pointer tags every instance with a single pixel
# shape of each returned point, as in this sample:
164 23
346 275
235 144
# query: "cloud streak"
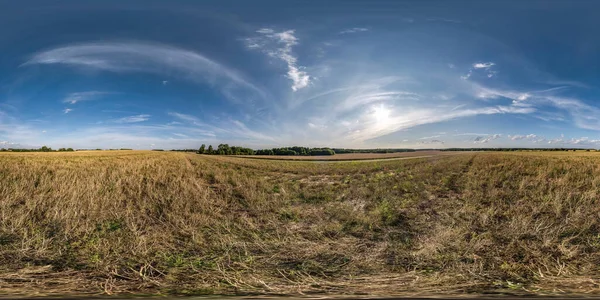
132 119
354 30
486 139
73 98
143 57
522 137
485 66
279 45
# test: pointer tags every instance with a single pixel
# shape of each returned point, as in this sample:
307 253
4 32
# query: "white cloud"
143 57
560 140
73 98
265 31
485 65
184 117
133 119
430 137
67 110
432 142
584 116
486 139
279 45
470 133
422 116
354 30
522 137
238 129
458 106
316 126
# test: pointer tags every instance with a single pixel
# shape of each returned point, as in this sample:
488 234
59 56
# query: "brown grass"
351 156
179 223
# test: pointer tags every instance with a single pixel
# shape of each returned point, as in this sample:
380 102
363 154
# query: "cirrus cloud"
144 57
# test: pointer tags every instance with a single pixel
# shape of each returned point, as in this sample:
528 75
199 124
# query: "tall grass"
179 223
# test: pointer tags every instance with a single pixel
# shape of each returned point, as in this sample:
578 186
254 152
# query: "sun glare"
381 115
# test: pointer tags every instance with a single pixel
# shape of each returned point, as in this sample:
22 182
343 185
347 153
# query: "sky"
355 74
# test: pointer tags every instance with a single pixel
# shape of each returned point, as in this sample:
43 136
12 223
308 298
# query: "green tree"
210 149
45 149
224 149
202 149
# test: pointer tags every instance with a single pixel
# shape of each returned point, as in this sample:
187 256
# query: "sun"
381 114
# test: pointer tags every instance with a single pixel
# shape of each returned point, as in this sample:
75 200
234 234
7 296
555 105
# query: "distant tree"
45 149
324 151
210 150
70 149
224 149
202 149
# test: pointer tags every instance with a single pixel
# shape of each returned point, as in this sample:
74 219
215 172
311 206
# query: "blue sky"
362 74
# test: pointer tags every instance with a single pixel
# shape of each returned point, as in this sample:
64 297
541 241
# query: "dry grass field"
352 156
146 222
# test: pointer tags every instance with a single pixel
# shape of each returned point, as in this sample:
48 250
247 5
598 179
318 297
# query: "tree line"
42 149
225 149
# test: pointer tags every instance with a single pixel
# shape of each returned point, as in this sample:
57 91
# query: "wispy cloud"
67 110
470 133
133 119
229 128
143 57
117 111
184 117
583 115
485 66
523 137
354 30
559 140
73 98
446 20
486 139
279 45
434 141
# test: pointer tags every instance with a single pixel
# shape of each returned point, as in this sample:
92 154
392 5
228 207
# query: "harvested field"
353 156
141 222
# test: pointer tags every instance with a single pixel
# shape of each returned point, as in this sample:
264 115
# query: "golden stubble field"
353 156
178 223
